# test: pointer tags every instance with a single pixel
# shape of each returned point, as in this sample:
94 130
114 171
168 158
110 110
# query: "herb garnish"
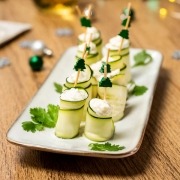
139 90
142 58
85 22
105 147
80 65
124 34
124 23
58 87
136 90
105 82
40 118
107 66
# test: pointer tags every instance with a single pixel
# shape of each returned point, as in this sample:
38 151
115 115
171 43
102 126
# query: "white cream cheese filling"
114 43
83 76
92 46
74 94
91 31
101 107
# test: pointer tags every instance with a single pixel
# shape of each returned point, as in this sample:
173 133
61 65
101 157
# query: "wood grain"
159 155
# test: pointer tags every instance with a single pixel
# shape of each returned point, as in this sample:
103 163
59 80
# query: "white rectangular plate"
129 131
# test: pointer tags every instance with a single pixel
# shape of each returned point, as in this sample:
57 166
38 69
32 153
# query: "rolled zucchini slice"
64 104
85 85
89 91
68 123
71 112
116 97
116 92
119 76
98 129
80 83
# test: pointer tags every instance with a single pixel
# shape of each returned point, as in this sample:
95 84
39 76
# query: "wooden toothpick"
88 17
127 24
79 71
105 71
89 11
128 21
90 38
126 27
128 8
78 11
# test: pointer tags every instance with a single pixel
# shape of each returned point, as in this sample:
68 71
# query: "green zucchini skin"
98 129
69 105
68 123
123 52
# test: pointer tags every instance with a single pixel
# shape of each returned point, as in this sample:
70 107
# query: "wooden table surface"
159 155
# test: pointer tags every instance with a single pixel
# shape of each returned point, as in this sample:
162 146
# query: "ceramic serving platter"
129 131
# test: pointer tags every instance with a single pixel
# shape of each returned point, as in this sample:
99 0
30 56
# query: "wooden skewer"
105 71
128 21
107 57
128 9
84 52
89 11
83 56
90 38
77 77
105 93
127 24
105 75
126 27
78 11
88 17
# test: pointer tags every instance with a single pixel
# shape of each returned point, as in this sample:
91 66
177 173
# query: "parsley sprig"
135 89
105 147
139 90
142 58
41 119
58 87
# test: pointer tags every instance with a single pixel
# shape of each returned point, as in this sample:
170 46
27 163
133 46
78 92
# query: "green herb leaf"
85 22
124 23
53 112
41 119
105 82
58 87
29 126
88 49
132 13
102 68
139 90
105 147
142 58
39 127
80 64
38 115
124 34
